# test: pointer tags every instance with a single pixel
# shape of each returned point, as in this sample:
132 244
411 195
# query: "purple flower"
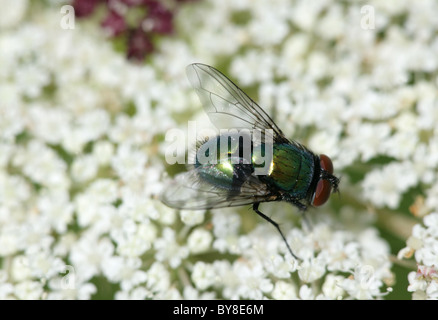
84 8
158 19
134 3
139 45
114 23
139 34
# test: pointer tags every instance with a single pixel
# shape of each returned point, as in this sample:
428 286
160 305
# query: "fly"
228 168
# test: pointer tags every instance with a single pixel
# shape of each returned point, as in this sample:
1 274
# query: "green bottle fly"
251 161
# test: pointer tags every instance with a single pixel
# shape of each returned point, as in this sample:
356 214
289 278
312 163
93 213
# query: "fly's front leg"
303 210
255 207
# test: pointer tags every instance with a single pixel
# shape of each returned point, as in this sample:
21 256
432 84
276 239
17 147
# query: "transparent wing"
188 191
226 104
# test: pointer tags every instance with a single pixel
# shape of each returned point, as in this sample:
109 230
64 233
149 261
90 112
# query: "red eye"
323 188
326 163
322 193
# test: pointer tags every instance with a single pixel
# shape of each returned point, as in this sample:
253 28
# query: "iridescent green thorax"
292 169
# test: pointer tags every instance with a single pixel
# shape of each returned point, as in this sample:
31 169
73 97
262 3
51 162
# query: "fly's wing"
227 105
188 191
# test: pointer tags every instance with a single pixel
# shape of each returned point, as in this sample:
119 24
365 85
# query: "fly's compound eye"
324 187
326 163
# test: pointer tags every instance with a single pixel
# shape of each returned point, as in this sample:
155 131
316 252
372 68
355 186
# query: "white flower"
192 217
167 216
293 50
384 187
84 168
424 240
431 201
332 286
88 256
324 143
199 240
225 227
10 239
284 291
49 124
401 145
14 191
426 106
16 10
268 29
124 271
306 293
191 293
368 138
94 207
280 267
416 283
138 207
122 130
305 14
254 282
431 223
6 150
376 106
424 282
139 293
42 165
93 124
362 284
6 290
432 290
38 258
31 80
255 66
103 152
134 240
225 223
128 162
203 275
103 191
28 290
311 270
342 255
226 276
21 269
422 163
167 249
95 214
157 278
75 141
332 24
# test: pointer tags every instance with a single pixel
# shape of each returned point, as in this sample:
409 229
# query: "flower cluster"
139 21
341 263
424 243
82 150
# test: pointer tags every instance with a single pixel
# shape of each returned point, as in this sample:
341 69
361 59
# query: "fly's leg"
255 207
303 209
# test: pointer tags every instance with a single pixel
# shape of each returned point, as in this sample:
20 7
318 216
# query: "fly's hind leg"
255 207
